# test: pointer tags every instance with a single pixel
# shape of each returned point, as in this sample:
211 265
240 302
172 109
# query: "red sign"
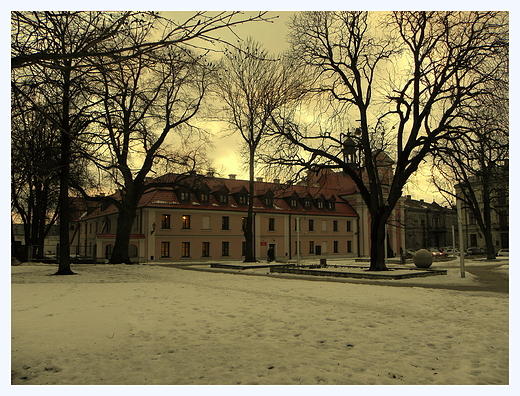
263 243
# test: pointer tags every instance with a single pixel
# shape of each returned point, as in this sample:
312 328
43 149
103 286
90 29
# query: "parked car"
451 252
436 252
503 252
475 250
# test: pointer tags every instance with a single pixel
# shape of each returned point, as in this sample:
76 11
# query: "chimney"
210 174
277 181
259 179
232 177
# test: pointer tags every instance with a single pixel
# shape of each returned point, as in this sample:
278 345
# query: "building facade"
428 224
205 222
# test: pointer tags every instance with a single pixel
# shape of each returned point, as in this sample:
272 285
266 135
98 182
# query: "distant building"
499 209
428 224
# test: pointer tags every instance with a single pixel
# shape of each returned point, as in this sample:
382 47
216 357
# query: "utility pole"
461 239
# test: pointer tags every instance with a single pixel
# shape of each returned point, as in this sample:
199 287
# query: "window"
242 199
205 249
311 247
206 223
336 247
319 204
436 222
225 248
349 226
296 247
349 246
223 198
271 224
244 223
331 205
472 220
294 202
165 221
335 225
324 225
185 249
186 222
204 197
307 204
311 225
165 249
296 224
184 196
225 222
268 201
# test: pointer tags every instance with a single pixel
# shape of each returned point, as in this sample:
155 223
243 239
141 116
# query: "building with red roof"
202 218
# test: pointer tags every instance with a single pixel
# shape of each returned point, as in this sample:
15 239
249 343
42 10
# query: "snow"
149 324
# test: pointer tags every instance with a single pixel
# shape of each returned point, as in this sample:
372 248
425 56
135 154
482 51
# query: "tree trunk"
125 221
64 259
250 256
377 248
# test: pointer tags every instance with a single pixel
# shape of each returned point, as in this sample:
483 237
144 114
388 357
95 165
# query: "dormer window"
268 201
184 196
331 205
204 197
307 204
242 199
319 204
222 198
293 203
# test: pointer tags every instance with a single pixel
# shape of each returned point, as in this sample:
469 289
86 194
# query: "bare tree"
252 85
60 47
475 169
439 68
34 175
145 99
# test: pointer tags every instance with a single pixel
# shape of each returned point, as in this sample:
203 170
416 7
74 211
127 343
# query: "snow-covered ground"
145 324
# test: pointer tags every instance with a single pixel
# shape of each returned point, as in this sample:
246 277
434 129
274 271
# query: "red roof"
167 197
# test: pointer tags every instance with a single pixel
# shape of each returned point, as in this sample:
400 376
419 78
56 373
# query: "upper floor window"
186 222
335 225
165 221
311 225
271 224
349 225
225 222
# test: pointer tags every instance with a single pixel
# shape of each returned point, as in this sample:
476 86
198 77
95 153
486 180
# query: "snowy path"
155 325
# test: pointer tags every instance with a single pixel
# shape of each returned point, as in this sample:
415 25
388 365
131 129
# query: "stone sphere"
423 258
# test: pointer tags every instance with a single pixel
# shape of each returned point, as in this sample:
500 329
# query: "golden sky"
225 154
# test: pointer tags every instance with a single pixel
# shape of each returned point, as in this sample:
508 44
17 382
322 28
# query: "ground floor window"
336 247
225 248
311 247
165 249
185 249
243 248
205 249
349 246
